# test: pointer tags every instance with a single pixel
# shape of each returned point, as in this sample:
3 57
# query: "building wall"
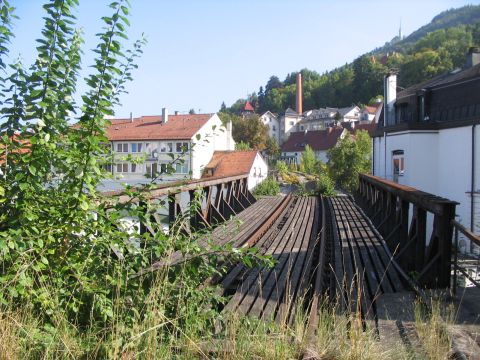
438 162
212 136
258 172
148 148
273 124
288 124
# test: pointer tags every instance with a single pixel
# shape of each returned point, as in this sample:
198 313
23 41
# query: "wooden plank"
249 286
387 270
370 282
363 290
302 276
348 281
253 303
284 289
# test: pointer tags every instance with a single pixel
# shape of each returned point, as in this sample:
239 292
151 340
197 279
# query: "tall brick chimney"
299 106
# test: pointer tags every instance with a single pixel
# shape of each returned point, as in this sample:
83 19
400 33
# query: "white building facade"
178 148
430 140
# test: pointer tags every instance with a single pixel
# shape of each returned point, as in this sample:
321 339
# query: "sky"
203 52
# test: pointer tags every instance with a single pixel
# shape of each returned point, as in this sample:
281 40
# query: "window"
135 168
166 147
291 123
182 168
151 169
274 128
398 162
107 167
122 147
181 147
136 147
122 168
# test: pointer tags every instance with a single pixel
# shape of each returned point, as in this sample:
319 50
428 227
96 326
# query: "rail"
217 199
388 205
459 228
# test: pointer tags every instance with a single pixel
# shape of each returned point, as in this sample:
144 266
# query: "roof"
178 127
248 107
318 140
291 112
443 79
230 163
370 128
371 109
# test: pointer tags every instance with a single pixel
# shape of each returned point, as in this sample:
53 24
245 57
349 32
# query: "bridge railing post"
388 206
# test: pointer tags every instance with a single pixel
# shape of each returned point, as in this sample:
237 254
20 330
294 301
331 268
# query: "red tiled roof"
248 107
230 163
178 127
371 109
317 140
22 147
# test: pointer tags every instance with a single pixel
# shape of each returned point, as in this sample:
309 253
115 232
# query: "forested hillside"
433 49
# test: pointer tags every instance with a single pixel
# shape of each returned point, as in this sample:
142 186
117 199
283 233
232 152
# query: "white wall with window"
258 172
436 161
211 137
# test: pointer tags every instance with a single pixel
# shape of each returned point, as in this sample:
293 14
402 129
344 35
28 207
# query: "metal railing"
218 198
459 228
388 204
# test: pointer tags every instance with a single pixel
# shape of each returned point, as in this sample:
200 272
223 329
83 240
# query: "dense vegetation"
71 284
434 49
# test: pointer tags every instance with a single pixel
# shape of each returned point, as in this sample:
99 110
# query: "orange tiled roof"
248 107
178 127
371 109
230 163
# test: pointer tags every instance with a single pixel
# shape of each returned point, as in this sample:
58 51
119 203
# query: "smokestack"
229 135
131 117
473 57
390 98
165 115
299 106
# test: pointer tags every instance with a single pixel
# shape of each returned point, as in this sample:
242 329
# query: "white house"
271 121
144 147
231 163
288 123
429 139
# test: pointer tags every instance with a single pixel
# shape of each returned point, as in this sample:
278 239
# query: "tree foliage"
67 252
350 157
248 130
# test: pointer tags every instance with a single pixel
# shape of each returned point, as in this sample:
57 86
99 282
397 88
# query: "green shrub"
269 186
325 185
282 167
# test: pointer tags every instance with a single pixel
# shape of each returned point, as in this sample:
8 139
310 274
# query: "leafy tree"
272 148
308 161
273 83
350 157
223 107
66 256
191 111
251 131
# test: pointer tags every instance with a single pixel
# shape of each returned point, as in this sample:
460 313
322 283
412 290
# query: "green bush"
269 186
282 167
325 185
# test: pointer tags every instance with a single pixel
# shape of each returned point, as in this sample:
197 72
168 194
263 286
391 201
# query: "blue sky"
203 52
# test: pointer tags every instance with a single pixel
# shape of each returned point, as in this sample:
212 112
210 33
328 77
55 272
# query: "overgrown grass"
191 336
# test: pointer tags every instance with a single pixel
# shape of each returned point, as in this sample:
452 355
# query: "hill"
435 48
